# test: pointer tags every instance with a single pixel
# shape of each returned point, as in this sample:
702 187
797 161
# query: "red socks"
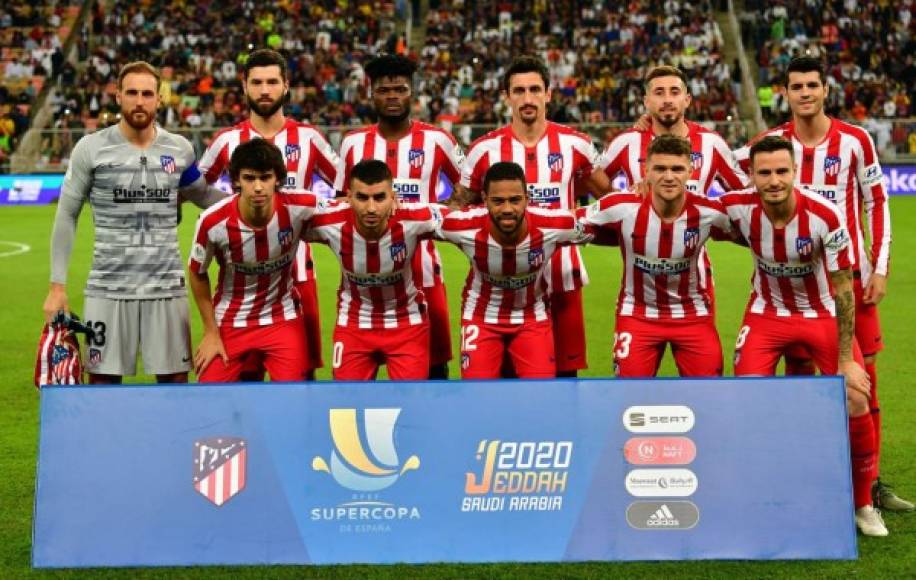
862 447
875 412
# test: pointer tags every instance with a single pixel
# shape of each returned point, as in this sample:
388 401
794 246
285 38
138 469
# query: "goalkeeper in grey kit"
131 174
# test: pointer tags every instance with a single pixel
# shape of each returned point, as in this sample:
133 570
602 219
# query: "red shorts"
639 345
568 330
358 353
440 330
763 339
280 346
868 328
530 346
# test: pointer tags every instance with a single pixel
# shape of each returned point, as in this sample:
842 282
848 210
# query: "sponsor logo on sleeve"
872 175
837 240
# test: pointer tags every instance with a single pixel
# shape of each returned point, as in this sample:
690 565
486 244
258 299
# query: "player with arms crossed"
307 156
253 235
662 300
418 155
554 158
131 174
839 161
801 252
381 309
509 244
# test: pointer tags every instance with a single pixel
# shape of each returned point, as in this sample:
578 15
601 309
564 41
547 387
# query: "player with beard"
803 294
504 308
308 157
418 155
839 161
557 161
132 175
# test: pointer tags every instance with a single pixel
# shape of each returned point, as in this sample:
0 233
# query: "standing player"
661 237
802 251
666 101
503 306
307 156
838 160
418 155
381 310
253 236
554 159
131 174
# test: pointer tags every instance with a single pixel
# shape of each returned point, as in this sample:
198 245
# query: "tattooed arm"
856 378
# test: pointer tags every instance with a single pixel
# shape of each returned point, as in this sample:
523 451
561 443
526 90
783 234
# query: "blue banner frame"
327 473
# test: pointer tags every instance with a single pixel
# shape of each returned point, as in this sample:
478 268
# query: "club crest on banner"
220 468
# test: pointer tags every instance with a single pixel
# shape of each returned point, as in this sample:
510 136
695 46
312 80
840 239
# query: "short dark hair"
370 172
770 144
264 57
504 171
257 155
664 71
526 64
803 64
669 145
390 65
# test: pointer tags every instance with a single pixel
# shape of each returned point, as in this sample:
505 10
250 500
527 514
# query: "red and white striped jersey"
844 169
377 285
307 153
552 167
255 274
506 284
416 160
792 263
662 276
711 157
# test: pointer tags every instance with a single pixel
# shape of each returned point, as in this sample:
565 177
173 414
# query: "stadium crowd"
869 50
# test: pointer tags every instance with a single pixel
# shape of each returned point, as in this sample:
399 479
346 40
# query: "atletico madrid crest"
555 161
696 159
168 164
804 246
691 238
399 252
285 237
832 165
416 157
220 468
292 153
535 257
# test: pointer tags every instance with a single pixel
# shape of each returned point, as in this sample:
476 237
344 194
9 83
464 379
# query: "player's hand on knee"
857 382
211 346
55 302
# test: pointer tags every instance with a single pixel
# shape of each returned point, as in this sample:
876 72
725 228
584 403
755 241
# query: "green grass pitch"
24 286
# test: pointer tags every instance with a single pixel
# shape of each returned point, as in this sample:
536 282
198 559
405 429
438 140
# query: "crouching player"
801 249
503 308
382 316
253 235
662 298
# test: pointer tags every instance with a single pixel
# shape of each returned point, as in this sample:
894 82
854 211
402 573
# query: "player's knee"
856 403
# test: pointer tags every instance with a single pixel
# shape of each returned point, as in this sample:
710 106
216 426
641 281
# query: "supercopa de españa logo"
364 461
518 476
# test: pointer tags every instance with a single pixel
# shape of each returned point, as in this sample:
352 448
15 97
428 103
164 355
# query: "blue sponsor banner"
474 471
29 189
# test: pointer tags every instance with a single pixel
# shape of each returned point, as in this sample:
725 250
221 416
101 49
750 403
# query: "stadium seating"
868 48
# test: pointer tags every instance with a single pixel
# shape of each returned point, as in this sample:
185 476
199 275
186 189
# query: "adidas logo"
663 518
